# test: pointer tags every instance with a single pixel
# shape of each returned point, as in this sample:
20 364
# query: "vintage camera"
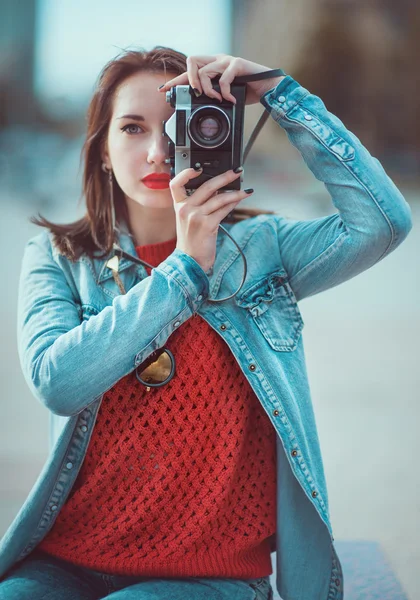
205 132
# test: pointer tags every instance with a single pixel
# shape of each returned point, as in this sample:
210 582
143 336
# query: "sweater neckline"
157 252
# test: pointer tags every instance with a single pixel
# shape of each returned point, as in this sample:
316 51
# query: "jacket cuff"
281 99
189 275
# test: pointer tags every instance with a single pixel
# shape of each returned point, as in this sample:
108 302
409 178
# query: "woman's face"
135 145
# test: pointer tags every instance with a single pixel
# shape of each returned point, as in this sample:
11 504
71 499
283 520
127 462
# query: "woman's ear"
105 156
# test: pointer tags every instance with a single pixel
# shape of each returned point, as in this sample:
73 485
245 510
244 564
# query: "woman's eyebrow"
134 117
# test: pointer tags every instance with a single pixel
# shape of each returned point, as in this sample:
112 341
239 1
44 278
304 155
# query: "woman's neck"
150 225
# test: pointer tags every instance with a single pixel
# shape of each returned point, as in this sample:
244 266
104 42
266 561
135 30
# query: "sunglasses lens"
158 369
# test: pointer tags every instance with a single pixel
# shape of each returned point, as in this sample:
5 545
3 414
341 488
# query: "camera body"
205 132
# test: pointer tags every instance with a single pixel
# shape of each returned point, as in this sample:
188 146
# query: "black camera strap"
265 115
246 79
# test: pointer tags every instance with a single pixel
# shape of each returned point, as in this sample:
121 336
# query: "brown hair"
94 230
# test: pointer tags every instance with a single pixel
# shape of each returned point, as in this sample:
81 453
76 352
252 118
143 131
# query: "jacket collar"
125 241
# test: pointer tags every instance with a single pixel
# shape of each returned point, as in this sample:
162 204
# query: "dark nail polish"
238 170
197 168
161 86
248 191
197 92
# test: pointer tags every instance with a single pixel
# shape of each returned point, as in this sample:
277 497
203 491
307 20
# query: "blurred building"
360 57
17 51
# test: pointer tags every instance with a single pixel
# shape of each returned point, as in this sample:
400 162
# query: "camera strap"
245 79
266 114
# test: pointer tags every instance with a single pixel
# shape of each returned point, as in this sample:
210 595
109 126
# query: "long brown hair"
94 230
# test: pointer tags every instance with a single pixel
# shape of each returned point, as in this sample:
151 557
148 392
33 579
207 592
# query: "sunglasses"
157 369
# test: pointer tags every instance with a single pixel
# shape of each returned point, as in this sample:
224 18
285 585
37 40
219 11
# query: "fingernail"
248 191
238 170
161 86
196 92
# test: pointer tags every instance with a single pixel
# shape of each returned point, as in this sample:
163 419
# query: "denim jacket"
78 335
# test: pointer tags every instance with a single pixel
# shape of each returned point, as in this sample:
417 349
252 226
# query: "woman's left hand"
202 69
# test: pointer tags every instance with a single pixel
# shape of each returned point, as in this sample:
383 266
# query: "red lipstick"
156 181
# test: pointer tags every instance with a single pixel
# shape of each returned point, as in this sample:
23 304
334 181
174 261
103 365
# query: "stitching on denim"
185 293
345 165
317 117
318 259
260 220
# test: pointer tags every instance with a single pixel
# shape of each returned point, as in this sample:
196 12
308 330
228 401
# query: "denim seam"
364 186
108 581
281 113
319 259
187 296
234 255
328 126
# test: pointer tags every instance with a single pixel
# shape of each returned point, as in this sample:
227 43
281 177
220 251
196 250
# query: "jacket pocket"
274 309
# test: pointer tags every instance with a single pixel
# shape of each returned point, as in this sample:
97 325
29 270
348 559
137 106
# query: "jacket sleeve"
373 217
67 363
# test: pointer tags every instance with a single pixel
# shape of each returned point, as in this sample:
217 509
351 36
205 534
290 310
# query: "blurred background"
362 59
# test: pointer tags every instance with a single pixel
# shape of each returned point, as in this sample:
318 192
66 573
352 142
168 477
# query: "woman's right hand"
198 215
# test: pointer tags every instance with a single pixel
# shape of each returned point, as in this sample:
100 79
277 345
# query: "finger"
205 79
179 193
210 187
193 76
179 80
218 215
223 198
225 81
183 78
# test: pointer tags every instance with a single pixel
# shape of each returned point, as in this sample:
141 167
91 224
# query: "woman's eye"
129 129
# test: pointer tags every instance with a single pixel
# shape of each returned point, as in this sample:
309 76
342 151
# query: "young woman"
184 451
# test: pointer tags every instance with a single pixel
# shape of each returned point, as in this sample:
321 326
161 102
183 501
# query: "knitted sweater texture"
178 481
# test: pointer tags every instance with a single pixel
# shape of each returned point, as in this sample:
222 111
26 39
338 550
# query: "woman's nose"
158 149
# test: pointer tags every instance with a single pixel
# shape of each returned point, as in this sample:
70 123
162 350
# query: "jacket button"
69 465
83 428
314 494
294 452
200 297
282 98
176 323
222 326
276 413
252 367
54 507
308 117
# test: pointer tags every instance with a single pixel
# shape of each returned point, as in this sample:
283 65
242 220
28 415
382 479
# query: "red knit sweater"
178 481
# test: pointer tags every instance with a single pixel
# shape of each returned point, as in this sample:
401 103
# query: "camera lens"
209 126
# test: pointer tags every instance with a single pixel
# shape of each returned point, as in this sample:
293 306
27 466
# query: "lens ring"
155 368
212 111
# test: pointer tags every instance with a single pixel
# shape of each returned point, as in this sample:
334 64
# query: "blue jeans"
40 576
